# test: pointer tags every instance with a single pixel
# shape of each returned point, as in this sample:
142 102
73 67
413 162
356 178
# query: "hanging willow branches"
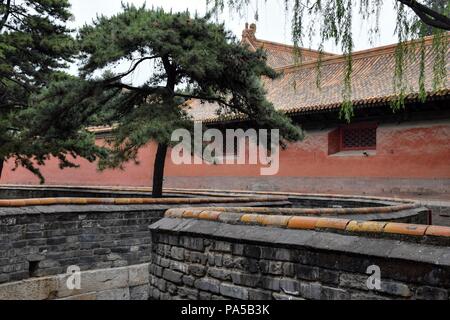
331 20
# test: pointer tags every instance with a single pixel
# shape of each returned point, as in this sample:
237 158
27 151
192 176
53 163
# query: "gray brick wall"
196 260
47 242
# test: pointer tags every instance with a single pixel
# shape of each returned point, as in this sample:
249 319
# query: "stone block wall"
28 192
43 241
194 259
124 283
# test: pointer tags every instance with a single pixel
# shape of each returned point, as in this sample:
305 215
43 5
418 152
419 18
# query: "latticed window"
359 137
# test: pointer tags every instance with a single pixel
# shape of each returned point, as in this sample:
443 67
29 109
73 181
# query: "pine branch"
5 17
132 69
144 89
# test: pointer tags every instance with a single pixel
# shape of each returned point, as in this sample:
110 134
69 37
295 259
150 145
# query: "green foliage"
193 58
34 45
332 20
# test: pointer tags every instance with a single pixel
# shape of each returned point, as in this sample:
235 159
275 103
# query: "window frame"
364 125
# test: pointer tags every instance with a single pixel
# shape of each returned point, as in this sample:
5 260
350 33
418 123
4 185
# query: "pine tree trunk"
158 170
1 167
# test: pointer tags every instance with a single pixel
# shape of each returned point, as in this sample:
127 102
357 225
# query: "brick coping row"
311 223
315 211
292 194
132 201
238 194
211 200
225 196
222 192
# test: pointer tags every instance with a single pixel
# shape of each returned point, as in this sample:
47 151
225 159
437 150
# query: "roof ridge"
366 53
249 36
291 47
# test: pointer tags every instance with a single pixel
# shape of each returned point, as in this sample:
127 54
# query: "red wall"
419 151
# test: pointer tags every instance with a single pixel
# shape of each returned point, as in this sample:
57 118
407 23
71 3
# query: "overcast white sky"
271 25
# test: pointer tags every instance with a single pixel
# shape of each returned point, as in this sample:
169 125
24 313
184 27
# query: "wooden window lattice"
358 138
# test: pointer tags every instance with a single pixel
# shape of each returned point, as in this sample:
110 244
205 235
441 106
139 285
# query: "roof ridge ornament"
249 32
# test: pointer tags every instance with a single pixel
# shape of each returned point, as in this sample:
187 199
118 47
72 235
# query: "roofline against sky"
362 54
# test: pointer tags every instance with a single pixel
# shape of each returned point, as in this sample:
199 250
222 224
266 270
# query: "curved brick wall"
352 207
43 236
45 240
207 257
111 238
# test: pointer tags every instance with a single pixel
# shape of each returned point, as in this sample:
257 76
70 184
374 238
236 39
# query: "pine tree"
35 45
193 58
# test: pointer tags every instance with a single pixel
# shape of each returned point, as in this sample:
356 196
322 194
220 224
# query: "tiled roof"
296 91
279 55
